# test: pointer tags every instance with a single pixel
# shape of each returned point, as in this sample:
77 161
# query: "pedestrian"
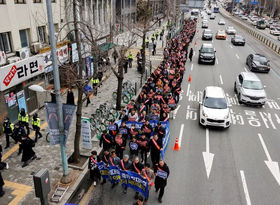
95 82
88 91
2 164
134 147
155 146
123 116
139 200
92 166
115 55
137 168
2 192
106 140
125 165
124 130
125 65
162 173
144 147
36 126
154 49
120 143
8 128
161 35
18 132
130 59
100 75
23 118
70 97
105 159
53 96
148 174
147 42
27 150
114 160
191 54
160 131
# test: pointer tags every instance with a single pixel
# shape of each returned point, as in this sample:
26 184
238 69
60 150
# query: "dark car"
207 54
238 40
207 34
258 63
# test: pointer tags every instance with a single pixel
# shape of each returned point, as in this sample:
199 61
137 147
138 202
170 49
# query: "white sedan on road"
221 22
214 109
230 30
274 31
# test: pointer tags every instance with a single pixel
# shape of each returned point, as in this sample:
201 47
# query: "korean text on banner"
15 73
52 119
21 101
86 133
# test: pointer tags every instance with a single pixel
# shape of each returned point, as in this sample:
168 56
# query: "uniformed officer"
95 81
147 42
8 128
130 59
153 38
24 119
36 126
157 34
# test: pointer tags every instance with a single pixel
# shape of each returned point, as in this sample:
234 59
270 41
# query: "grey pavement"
239 173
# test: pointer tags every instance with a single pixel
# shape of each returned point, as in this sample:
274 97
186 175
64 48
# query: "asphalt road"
239 173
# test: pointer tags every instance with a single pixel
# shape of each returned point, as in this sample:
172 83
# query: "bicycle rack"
59 193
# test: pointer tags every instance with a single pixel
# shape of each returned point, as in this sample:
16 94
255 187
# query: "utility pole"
65 178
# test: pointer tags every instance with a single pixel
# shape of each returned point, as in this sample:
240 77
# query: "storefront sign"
75 56
11 99
20 71
86 133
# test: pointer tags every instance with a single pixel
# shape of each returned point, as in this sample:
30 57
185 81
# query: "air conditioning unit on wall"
13 59
23 53
3 58
35 47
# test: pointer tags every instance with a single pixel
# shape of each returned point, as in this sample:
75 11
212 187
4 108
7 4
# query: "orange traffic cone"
190 78
176 146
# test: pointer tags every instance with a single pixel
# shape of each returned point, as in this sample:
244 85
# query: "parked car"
207 34
249 89
221 22
258 63
245 18
274 31
230 30
207 54
221 34
214 109
238 40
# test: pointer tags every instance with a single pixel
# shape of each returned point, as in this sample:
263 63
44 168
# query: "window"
37 1
2 2
5 44
24 38
53 1
42 34
19 1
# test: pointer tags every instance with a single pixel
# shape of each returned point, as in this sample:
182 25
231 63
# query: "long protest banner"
126 178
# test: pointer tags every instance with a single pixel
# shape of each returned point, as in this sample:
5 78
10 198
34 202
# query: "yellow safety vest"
130 56
11 126
95 81
147 41
36 123
23 118
153 37
157 33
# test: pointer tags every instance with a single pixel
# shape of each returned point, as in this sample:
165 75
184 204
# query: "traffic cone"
176 146
190 78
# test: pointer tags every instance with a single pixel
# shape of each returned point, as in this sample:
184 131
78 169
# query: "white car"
214 109
245 18
249 89
221 22
275 31
230 30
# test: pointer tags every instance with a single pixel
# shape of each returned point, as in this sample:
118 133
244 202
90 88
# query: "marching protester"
105 158
123 116
26 145
114 160
125 165
139 201
148 174
92 166
134 147
155 145
143 142
162 173
106 140
160 131
36 126
137 168
23 118
120 143
8 128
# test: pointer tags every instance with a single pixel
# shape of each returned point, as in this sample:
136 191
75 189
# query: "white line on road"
264 148
237 56
221 79
245 69
207 140
181 134
246 192
207 156
194 53
217 61
188 90
192 67
230 46
175 111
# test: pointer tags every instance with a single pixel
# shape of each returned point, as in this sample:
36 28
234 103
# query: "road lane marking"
237 56
230 46
192 67
221 79
217 61
264 148
86 196
194 53
208 156
181 134
245 69
245 188
207 140
188 90
175 111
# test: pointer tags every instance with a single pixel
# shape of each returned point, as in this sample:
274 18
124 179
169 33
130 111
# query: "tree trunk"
143 53
120 82
76 155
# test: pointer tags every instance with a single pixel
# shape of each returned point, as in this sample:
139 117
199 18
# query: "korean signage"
21 101
75 56
20 71
86 133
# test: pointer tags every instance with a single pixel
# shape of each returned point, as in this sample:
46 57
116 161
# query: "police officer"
157 34
18 132
95 81
8 128
36 126
147 42
23 118
153 38
130 59
162 173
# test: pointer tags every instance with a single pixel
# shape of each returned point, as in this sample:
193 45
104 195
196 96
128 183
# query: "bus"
216 9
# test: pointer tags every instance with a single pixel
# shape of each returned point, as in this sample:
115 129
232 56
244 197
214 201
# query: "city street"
238 165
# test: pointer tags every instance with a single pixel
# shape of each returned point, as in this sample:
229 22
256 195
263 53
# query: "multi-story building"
25 52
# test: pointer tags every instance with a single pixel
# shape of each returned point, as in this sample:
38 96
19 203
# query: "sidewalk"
19 181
